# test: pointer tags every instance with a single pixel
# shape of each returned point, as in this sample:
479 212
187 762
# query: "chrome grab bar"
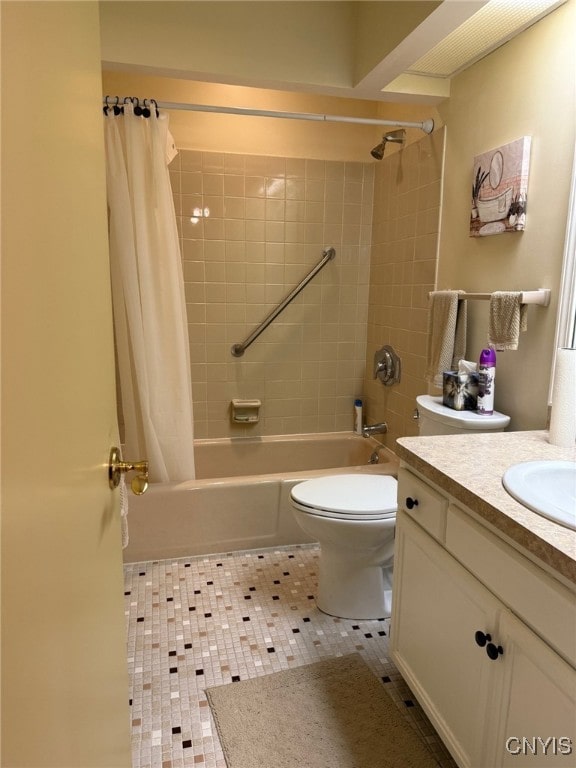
239 349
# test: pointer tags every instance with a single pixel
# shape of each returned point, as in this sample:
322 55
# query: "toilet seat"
348 497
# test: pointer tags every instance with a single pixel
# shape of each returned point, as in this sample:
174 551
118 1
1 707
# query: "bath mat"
331 714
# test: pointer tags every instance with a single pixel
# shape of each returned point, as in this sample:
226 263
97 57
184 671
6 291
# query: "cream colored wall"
526 88
403 271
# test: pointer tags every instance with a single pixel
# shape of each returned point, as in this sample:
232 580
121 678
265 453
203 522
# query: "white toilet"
434 418
353 518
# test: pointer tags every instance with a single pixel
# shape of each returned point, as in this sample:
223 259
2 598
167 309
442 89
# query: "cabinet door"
437 609
536 724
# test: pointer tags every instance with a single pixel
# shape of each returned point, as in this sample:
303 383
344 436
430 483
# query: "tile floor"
196 622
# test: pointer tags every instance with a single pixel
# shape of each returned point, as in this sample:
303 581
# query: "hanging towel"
124 511
508 316
446 334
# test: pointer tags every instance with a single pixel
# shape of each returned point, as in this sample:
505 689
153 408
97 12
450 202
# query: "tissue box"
460 390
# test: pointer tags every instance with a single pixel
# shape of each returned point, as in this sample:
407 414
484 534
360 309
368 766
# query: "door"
437 609
64 677
536 725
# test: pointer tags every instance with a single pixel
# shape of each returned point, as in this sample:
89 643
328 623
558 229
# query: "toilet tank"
434 418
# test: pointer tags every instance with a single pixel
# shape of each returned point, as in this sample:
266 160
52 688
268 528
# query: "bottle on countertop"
486 376
358 416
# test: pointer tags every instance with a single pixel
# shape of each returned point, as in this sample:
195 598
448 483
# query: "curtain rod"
426 125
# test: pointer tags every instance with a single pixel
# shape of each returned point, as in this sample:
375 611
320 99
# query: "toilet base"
351 590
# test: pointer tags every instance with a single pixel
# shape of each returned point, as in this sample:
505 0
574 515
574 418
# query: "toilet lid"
348 496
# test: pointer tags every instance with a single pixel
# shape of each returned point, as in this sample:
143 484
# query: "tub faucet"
375 429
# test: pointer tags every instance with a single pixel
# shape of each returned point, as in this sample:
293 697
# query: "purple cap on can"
487 358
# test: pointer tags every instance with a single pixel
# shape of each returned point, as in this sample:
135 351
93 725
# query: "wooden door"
64 676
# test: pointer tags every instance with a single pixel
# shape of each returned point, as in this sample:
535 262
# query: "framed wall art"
500 189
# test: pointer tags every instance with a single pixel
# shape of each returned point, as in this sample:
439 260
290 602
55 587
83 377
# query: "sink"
545 487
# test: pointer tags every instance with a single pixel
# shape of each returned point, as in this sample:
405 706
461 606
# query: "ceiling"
392 50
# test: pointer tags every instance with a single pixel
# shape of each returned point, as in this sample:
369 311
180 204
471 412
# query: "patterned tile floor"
196 622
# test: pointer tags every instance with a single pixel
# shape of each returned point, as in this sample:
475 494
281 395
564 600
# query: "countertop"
470 468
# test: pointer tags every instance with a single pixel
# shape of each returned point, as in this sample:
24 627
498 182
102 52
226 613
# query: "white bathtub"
241 497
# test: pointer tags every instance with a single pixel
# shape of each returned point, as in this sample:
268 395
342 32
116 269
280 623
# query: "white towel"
508 316
124 511
446 334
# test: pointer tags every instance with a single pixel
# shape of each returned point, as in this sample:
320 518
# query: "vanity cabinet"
476 634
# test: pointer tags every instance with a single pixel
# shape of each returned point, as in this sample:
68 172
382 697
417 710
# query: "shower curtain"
150 325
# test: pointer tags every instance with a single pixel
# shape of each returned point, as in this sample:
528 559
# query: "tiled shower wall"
407 195
252 227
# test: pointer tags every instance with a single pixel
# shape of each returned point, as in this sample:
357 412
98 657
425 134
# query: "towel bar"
540 296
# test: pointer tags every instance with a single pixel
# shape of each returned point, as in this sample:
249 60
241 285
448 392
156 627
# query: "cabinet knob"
411 503
493 651
481 638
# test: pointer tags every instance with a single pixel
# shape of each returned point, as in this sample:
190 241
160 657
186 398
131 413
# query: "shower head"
396 137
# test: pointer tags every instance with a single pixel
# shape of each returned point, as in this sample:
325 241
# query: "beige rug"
331 714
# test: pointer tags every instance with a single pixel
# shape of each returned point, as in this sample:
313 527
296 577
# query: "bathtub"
241 497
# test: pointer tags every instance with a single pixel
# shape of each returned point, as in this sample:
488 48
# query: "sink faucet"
375 429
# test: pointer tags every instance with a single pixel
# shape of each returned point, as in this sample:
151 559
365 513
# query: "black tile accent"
368 634
127 593
355 626
140 618
209 583
296 631
245 618
186 744
275 597
252 589
247 597
191 607
187 646
207 615
276 581
306 619
286 573
260 557
171 653
271 650
382 633
218 565
199 672
310 597
197 591
176 729
173 670
169 599
187 565
142 573
409 703
235 678
386 679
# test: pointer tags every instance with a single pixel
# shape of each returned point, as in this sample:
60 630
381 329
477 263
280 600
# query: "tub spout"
375 429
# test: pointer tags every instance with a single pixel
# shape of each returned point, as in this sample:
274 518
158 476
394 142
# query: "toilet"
353 517
434 418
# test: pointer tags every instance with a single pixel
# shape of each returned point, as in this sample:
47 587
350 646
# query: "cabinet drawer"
425 505
539 600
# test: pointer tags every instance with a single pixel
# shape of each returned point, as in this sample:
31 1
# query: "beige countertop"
470 468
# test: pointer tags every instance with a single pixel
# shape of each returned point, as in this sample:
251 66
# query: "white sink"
546 487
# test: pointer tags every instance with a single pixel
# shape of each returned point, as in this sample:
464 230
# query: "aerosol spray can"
486 376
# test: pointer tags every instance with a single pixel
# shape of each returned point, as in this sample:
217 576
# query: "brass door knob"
116 467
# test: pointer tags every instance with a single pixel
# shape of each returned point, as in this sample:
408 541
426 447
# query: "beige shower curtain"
150 323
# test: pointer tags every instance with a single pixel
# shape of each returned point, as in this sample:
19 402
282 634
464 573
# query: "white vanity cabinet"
483 637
